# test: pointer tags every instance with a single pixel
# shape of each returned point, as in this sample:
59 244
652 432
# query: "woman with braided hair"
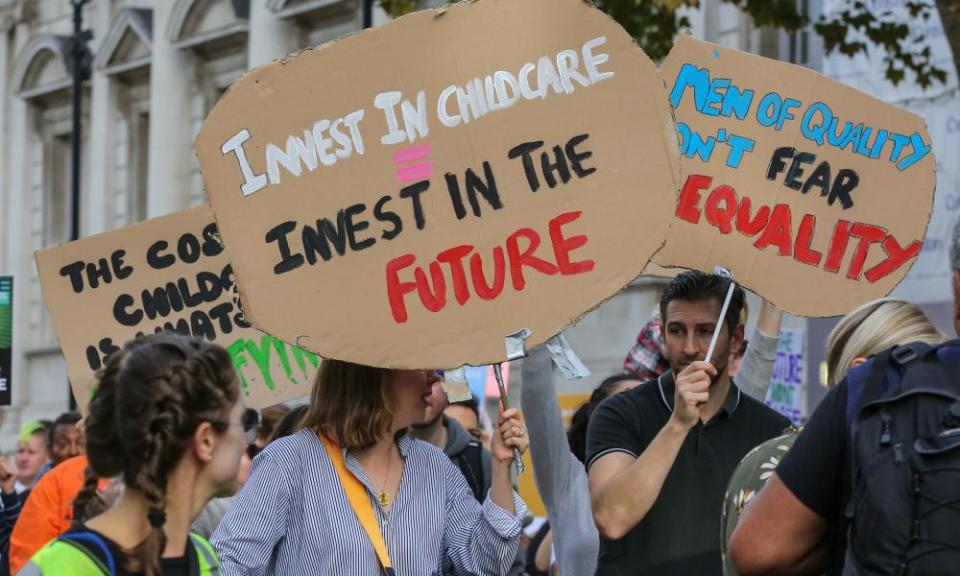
167 419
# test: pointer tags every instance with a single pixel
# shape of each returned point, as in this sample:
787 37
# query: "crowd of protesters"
673 466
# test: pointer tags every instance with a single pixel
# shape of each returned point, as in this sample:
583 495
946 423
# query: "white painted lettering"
251 182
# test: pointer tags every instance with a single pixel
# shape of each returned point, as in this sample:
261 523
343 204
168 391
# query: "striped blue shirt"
292 518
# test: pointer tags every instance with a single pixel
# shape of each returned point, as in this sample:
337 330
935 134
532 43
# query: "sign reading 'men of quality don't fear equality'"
408 196
814 194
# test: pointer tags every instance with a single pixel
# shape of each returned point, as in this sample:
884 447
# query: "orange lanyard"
360 502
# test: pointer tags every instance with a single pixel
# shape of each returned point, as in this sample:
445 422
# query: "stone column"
96 211
171 142
270 37
6 192
18 241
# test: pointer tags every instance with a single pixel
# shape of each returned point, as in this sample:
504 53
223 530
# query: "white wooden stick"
723 312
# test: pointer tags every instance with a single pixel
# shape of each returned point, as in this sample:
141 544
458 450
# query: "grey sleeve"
555 468
756 369
561 479
206 523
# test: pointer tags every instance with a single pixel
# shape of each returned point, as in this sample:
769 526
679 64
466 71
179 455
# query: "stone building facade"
158 67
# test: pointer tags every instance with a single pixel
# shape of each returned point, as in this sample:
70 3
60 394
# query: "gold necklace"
384 499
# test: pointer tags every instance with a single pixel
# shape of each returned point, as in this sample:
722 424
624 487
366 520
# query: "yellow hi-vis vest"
70 554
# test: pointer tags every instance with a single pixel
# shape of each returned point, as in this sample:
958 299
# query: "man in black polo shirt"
660 456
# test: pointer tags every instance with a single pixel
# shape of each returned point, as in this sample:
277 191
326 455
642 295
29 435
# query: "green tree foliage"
850 31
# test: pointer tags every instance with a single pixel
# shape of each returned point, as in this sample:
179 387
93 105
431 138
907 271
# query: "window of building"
125 57
57 190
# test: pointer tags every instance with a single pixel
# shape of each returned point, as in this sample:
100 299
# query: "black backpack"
470 462
904 511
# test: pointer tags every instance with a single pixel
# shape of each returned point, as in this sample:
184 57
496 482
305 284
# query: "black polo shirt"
681 532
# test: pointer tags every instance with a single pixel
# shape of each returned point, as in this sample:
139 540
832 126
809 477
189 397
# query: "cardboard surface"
657 271
866 166
106 289
384 200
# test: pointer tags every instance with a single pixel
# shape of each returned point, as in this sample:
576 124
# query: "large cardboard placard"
408 196
814 194
169 273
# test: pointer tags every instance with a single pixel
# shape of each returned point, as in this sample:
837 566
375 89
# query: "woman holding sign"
167 418
352 493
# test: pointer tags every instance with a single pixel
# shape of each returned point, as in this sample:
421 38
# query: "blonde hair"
872 328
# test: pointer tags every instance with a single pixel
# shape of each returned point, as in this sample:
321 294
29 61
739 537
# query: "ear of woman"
204 442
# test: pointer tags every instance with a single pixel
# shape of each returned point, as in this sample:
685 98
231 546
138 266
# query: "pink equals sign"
412 165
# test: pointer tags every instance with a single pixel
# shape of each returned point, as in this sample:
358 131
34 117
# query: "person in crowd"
9 513
869 329
797 524
285 422
474 419
289 424
736 357
647 359
467 414
329 499
539 556
818 522
205 524
32 461
168 418
750 476
558 462
269 418
659 456
46 511
65 438
32 454
465 451
955 268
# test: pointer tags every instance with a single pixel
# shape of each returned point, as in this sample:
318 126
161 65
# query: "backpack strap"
94 546
470 462
881 377
877 384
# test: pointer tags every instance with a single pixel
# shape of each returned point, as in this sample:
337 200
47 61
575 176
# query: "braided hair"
151 397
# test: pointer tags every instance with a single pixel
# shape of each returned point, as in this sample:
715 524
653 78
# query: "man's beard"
721 369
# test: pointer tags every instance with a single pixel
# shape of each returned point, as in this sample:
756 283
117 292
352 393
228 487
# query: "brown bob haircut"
350 403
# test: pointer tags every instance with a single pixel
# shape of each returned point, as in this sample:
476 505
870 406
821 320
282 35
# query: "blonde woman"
872 328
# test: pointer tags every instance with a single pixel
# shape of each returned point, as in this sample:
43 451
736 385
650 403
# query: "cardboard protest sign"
788 383
169 273
815 195
658 271
410 195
